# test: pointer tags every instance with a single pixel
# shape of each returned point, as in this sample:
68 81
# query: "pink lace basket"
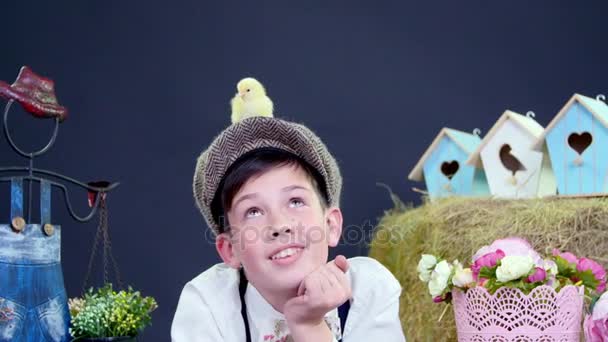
510 315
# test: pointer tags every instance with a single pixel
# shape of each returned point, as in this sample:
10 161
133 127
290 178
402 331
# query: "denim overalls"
33 301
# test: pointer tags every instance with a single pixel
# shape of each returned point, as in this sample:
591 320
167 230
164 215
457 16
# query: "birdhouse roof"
597 108
466 141
526 123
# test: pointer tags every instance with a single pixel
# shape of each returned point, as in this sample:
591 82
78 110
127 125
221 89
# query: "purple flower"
486 260
585 264
595 330
539 275
510 246
443 298
438 299
569 257
596 324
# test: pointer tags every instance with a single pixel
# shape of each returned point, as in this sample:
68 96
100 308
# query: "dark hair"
254 163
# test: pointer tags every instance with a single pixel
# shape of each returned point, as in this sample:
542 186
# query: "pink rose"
569 257
539 275
511 246
595 325
486 260
438 299
445 297
599 273
593 331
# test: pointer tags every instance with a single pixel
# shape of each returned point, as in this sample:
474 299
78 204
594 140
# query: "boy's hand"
321 291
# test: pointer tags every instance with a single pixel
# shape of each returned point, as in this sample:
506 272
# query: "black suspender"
242 288
343 314
342 309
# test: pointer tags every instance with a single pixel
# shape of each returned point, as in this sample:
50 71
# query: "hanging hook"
530 114
32 173
601 97
477 132
14 146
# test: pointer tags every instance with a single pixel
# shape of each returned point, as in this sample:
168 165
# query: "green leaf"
488 272
588 279
564 268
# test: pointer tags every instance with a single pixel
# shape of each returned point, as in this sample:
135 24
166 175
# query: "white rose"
462 276
439 278
514 267
600 309
550 266
425 266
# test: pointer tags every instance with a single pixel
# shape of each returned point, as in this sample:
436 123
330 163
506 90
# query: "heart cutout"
449 169
580 141
509 161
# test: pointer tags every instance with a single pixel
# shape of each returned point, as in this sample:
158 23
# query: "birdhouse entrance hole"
449 169
580 141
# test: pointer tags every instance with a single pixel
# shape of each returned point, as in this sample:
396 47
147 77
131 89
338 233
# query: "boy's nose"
285 230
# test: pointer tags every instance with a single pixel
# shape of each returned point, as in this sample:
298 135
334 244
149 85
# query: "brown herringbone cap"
259 132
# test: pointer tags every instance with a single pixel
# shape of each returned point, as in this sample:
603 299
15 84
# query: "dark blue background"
148 84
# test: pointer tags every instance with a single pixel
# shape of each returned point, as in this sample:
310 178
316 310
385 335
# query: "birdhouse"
577 142
443 166
513 168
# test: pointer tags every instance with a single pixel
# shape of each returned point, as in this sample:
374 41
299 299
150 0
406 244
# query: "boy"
270 191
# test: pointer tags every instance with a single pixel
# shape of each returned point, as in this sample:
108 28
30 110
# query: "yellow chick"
250 100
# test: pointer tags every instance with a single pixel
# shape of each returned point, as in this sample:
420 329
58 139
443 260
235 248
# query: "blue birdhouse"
444 169
577 143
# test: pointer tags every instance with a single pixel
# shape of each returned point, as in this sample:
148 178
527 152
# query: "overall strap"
242 288
16 197
45 202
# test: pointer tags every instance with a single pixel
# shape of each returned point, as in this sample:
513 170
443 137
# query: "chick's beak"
241 94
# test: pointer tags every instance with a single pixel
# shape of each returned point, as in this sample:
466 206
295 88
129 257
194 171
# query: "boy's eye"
253 212
296 202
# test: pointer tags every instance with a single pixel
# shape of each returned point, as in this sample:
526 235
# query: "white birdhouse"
512 167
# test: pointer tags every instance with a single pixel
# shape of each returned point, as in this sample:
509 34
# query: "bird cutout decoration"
580 142
510 162
449 169
250 100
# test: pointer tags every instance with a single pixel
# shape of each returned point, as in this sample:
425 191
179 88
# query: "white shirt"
209 307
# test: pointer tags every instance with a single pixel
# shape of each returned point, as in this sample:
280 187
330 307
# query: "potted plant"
511 293
107 315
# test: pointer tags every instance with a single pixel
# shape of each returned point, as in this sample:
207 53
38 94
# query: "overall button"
18 223
49 229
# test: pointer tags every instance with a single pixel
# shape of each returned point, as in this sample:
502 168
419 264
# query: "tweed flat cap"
254 133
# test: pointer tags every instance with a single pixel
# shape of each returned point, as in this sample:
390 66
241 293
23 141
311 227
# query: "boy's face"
279 231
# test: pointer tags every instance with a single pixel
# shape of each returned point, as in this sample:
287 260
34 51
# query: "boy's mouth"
286 255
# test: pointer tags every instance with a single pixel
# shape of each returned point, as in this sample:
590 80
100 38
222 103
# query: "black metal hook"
31 171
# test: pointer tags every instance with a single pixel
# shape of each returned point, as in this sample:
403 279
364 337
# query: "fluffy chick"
250 100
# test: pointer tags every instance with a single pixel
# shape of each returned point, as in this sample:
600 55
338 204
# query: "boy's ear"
225 248
333 218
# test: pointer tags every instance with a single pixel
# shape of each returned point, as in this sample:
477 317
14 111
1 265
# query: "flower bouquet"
107 315
510 293
596 323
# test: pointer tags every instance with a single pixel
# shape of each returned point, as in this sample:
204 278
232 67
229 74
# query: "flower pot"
110 339
511 315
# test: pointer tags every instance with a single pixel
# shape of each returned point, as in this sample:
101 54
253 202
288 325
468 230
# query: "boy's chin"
289 282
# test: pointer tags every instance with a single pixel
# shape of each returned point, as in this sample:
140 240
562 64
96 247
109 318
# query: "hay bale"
455 228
